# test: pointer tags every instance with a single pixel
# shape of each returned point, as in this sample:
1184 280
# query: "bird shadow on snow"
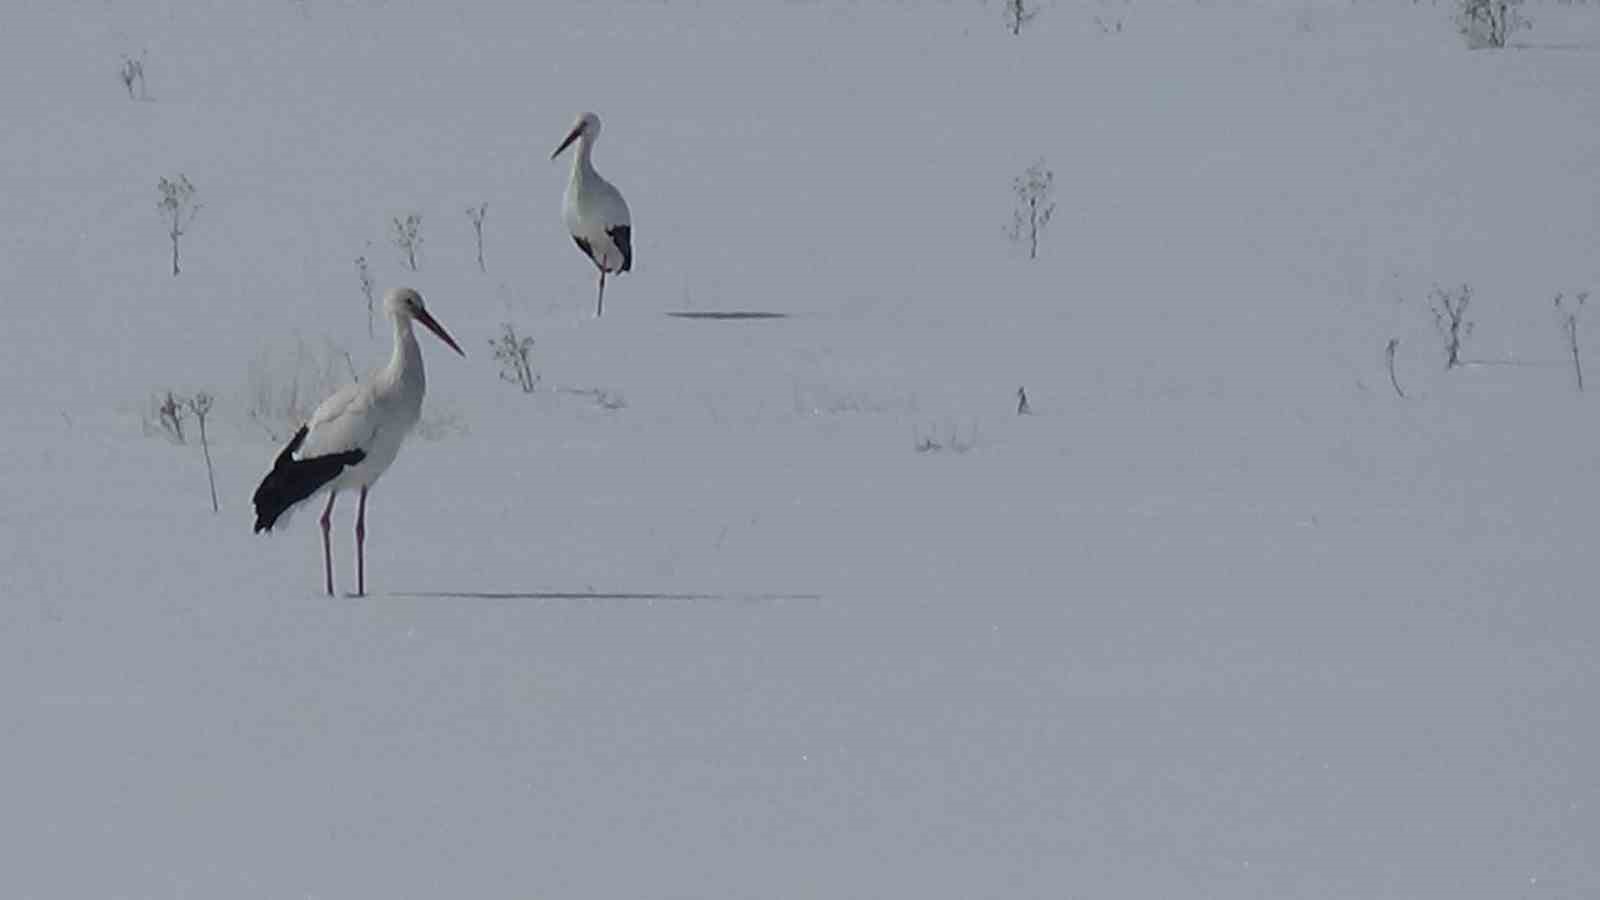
598 595
1572 46
733 315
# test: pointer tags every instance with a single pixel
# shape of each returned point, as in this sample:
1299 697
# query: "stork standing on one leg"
354 435
594 210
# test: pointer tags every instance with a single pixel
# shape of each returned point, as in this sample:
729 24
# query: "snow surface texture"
1223 618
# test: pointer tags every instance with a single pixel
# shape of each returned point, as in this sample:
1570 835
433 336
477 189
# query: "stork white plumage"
354 435
594 210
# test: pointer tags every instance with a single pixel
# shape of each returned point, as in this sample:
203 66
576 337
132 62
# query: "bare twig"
1394 344
476 215
1569 327
200 405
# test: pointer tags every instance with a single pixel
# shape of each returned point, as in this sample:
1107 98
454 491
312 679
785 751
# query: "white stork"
594 210
354 435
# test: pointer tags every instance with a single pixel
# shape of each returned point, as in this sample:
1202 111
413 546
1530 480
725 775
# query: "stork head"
404 304
587 126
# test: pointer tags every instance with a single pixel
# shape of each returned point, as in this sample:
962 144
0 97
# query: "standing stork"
594 210
354 435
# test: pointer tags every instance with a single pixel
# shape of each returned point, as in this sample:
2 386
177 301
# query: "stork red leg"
327 543
600 304
361 544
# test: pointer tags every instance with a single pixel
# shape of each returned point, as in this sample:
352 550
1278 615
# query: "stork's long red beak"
434 326
571 136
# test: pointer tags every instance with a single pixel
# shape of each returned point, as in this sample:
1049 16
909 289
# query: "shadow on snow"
728 316
593 595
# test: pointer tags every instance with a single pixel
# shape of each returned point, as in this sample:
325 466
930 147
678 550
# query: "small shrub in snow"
931 442
1450 319
1568 313
1022 403
132 75
368 288
166 417
831 400
1489 23
178 207
169 412
1017 14
511 351
475 214
284 389
406 234
1035 190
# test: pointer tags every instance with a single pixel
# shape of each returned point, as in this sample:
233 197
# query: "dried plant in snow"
1568 312
1017 14
406 234
167 411
1036 205
475 214
1450 319
1489 23
283 389
931 442
511 351
600 397
200 406
178 208
132 76
368 290
168 414
1108 25
1389 351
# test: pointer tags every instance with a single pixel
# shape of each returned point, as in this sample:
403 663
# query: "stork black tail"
293 480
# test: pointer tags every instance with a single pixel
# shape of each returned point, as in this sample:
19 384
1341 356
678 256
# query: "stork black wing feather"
622 236
293 480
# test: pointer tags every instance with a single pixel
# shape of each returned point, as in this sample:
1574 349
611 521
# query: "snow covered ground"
1223 618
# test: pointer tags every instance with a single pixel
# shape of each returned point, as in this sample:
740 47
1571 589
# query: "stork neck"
406 363
582 166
